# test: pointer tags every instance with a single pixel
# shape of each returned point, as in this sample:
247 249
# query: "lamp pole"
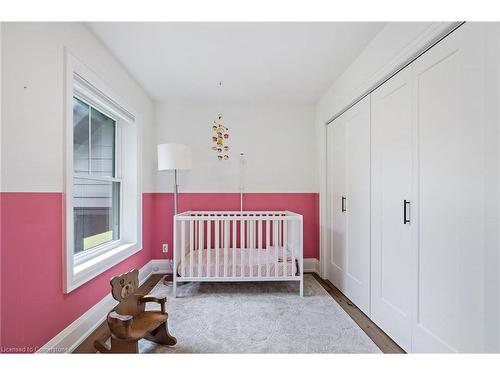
174 157
175 192
242 176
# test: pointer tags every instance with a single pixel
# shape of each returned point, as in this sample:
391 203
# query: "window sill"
86 271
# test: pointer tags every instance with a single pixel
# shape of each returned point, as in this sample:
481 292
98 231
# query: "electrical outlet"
165 247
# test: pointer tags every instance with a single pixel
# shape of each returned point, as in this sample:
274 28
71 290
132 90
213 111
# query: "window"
96 182
102 184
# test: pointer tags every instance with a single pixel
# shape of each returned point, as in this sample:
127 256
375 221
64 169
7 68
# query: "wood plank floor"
384 342
379 337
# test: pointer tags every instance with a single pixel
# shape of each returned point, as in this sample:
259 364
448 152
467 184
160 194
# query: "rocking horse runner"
129 322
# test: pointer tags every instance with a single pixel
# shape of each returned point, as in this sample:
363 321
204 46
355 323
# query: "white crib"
238 246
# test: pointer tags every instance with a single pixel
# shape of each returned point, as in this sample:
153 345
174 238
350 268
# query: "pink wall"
33 306
306 204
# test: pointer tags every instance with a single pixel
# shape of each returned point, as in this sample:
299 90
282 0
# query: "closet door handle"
343 204
406 209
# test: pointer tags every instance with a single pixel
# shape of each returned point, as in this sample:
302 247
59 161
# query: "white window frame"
87 255
78 269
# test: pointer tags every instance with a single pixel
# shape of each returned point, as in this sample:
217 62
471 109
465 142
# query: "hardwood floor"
379 337
384 342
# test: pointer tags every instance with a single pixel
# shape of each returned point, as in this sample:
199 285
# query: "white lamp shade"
174 156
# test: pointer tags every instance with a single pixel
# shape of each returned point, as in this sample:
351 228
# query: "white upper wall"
278 142
32 101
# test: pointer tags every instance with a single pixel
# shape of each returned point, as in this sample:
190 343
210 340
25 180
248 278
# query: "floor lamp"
174 157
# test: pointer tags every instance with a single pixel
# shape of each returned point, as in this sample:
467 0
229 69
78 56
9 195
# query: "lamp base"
167 279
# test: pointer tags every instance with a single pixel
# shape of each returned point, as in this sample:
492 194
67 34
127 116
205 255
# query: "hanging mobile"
220 136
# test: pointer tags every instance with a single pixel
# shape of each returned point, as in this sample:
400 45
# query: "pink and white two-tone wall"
279 173
33 306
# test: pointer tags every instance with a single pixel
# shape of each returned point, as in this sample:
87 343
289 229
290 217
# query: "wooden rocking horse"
128 322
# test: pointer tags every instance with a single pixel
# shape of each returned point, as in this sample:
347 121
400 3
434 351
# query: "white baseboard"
162 265
74 334
311 265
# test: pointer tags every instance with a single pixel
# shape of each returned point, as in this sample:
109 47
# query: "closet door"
448 87
348 152
357 205
391 224
336 202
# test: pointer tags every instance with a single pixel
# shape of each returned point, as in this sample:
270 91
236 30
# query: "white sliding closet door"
429 140
348 263
336 254
357 269
391 225
448 87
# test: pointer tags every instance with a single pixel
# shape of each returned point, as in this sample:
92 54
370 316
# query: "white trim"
414 51
311 265
88 270
73 335
161 265
81 259
130 232
97 98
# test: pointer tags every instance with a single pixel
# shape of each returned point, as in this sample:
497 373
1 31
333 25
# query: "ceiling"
257 62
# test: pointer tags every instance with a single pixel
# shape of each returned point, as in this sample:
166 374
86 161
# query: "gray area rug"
257 317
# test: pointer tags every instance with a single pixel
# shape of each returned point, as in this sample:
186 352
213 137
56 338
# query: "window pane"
96 213
80 136
102 144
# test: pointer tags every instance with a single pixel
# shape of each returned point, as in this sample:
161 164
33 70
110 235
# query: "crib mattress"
267 257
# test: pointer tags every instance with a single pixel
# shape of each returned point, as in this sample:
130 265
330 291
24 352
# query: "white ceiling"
256 62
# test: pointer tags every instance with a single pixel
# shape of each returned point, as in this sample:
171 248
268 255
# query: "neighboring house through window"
97 184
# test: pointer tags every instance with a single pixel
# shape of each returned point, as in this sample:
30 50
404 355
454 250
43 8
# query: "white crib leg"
175 288
302 286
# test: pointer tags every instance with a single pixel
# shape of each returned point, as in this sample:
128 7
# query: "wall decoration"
220 139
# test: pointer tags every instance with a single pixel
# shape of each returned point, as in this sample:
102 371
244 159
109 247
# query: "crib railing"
238 246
